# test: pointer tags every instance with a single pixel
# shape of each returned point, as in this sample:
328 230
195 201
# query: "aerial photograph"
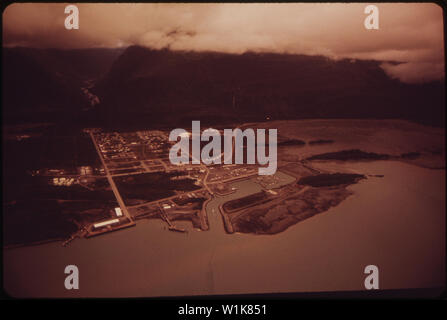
184 150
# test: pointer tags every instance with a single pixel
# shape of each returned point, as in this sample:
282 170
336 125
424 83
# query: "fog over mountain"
411 33
168 64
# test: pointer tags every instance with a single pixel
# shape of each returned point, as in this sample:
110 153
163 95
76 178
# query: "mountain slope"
164 86
42 83
140 87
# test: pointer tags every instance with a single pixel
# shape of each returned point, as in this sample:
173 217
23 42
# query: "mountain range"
138 87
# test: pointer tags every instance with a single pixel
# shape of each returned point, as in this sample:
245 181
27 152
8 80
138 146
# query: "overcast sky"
410 33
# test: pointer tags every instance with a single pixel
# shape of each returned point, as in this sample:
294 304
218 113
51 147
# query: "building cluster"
155 141
85 170
109 223
224 172
62 181
113 146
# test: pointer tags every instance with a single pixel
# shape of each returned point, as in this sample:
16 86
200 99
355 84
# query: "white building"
118 212
105 223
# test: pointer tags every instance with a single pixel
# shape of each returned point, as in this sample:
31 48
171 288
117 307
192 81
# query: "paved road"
111 182
118 196
197 190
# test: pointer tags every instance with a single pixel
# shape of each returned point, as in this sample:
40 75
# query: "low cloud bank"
408 33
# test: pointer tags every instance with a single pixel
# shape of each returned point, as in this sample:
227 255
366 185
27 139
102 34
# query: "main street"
111 182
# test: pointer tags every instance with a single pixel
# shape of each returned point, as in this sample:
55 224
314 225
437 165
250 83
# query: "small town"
142 154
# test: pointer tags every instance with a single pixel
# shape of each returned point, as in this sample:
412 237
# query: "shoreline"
226 216
32 244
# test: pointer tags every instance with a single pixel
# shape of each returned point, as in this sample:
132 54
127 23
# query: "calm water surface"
396 222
